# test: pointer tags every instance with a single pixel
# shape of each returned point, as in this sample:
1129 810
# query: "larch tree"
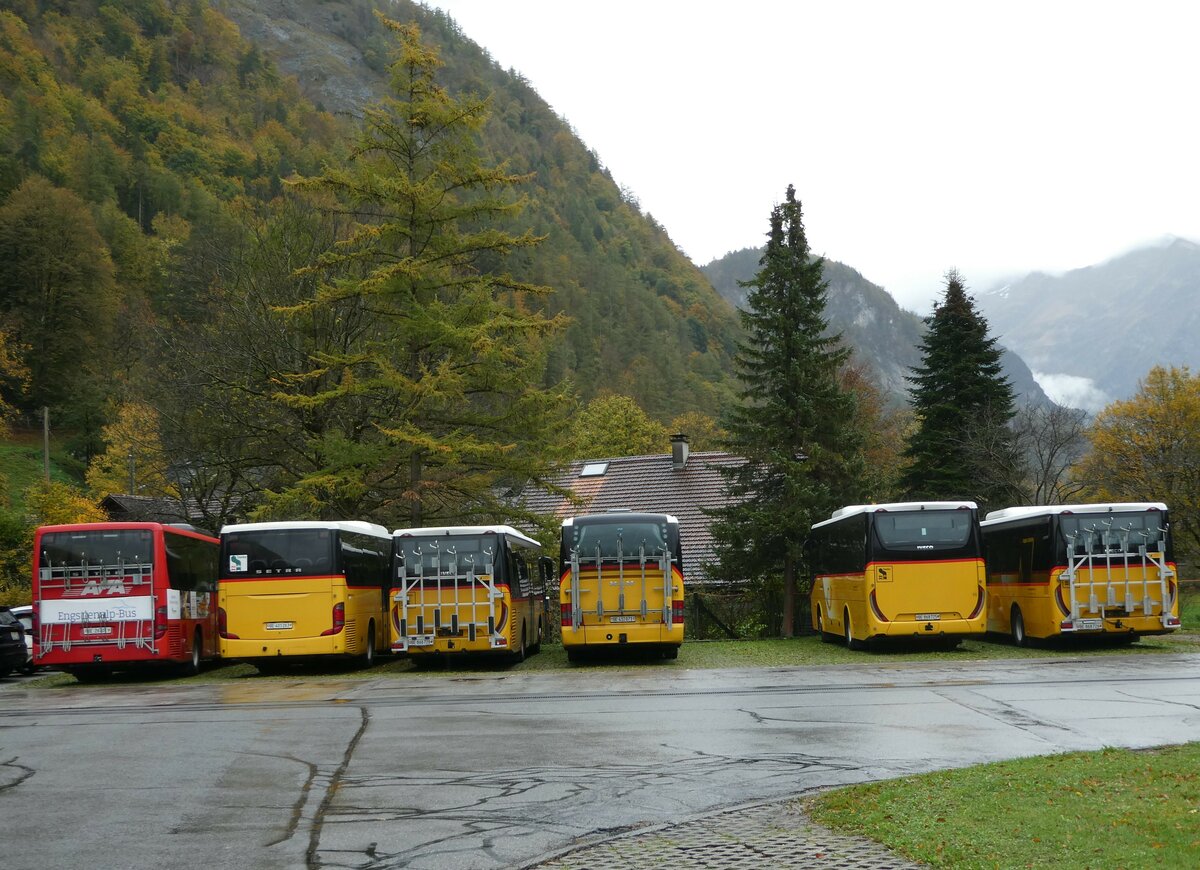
962 447
446 386
794 422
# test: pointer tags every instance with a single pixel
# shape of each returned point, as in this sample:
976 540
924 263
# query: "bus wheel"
670 652
537 647
851 643
574 656
826 636
192 666
1017 626
367 659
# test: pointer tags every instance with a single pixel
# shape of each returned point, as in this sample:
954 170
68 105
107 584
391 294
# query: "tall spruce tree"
444 388
793 422
963 447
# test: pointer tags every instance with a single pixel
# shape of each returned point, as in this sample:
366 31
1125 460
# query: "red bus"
110 596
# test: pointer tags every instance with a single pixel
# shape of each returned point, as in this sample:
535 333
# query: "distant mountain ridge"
883 335
1091 334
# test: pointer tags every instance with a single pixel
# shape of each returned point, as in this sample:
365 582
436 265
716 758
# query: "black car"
12 642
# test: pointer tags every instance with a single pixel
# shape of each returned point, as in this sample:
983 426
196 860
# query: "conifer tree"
444 384
962 447
793 422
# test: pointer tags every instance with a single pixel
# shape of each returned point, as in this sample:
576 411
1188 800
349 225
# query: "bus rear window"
1099 532
95 548
278 553
625 538
923 530
448 556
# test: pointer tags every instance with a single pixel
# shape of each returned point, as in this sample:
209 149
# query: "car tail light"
339 620
676 613
160 622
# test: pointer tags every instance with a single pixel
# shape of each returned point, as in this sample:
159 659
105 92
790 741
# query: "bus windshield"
278 553
923 530
446 556
96 547
628 538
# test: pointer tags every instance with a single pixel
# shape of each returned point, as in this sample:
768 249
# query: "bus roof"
1020 513
342 525
856 509
453 531
614 515
120 525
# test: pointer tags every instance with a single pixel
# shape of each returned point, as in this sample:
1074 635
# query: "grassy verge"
1115 808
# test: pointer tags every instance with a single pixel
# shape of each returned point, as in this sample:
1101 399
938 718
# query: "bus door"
447 589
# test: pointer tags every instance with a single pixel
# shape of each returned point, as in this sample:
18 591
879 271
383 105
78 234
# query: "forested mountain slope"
882 334
645 321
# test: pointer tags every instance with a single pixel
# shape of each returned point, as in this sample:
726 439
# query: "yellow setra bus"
1081 570
621 583
902 570
468 589
296 590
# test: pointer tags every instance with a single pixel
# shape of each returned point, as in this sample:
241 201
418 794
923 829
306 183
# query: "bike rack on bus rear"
441 584
1083 555
578 563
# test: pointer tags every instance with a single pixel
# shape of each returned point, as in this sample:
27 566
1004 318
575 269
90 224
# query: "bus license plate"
280 626
1089 625
422 640
622 619
93 631
928 617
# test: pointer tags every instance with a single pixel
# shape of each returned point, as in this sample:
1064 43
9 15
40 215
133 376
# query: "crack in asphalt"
1008 715
24 773
335 782
297 807
506 803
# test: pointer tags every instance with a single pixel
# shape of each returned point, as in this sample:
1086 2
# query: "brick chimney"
679 451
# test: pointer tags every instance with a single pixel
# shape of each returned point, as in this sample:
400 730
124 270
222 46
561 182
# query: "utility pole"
132 491
46 441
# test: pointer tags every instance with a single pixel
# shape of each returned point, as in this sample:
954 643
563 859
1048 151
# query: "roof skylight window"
593 469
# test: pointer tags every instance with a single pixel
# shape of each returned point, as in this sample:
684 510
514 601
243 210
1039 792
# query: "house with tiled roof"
679 483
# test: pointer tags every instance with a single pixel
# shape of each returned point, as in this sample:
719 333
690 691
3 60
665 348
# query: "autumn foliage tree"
1147 448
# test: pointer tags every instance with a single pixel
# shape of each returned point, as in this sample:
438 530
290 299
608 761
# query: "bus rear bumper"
939 628
618 634
248 650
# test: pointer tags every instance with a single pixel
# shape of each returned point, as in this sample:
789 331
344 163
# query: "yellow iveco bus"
294 590
621 583
1079 570
468 589
903 570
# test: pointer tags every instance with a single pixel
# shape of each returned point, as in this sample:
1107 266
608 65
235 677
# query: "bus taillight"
160 622
979 604
676 613
875 607
223 625
339 620
566 613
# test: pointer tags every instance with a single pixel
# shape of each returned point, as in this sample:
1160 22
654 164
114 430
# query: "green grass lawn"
1115 808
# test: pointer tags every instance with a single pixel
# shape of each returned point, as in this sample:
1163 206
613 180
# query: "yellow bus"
1081 570
295 590
621 583
468 589
903 570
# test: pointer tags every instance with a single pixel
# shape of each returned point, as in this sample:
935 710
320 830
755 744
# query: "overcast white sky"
994 138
